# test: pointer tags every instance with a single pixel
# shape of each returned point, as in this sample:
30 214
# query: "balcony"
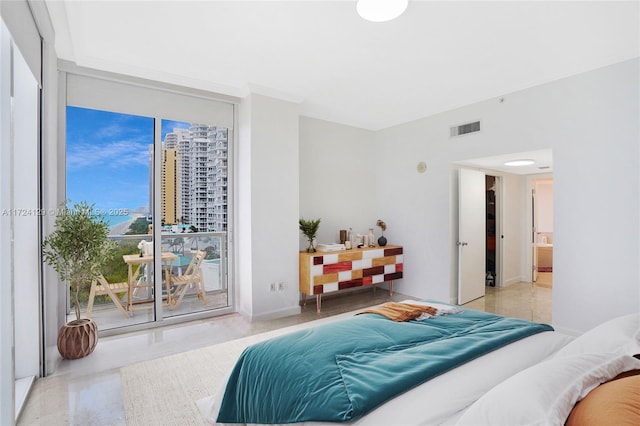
182 246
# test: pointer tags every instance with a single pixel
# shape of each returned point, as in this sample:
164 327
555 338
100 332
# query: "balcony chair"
100 287
192 275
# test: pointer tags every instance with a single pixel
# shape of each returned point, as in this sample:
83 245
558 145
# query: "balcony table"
133 260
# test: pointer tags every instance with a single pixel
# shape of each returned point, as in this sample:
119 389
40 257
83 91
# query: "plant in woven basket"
310 229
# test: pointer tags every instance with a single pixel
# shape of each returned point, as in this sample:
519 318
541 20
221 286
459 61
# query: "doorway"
514 236
542 231
491 226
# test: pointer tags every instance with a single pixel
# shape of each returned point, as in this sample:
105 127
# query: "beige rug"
163 391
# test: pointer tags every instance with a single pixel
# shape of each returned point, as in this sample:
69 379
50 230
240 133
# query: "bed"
387 372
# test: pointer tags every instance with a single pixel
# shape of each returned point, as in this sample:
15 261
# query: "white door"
471 235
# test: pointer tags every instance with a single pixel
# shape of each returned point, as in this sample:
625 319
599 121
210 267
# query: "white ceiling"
542 162
435 57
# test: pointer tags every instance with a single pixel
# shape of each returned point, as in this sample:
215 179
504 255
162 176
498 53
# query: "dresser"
327 272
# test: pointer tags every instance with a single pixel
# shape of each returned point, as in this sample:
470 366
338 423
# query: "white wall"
244 254
591 123
337 178
268 207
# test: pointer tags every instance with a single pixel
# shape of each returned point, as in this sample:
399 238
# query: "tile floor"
88 391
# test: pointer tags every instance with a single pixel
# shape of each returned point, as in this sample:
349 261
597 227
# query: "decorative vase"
311 248
78 338
371 238
382 241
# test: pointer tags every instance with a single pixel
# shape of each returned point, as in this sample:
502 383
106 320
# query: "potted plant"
78 249
310 229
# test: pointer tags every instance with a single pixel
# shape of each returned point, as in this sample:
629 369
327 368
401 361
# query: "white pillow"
545 393
619 335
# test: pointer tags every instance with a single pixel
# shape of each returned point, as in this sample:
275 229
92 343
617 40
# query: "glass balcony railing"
179 247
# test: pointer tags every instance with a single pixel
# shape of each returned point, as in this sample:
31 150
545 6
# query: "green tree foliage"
139 226
78 248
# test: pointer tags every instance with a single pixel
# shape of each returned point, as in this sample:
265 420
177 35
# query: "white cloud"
117 154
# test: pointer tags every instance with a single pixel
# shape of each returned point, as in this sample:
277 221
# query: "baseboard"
278 313
511 281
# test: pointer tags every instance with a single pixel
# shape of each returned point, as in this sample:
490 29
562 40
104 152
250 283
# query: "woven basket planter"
78 338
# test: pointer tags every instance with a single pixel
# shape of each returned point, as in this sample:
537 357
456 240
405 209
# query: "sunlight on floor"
522 300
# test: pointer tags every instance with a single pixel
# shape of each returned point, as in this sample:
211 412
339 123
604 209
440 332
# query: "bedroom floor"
51 401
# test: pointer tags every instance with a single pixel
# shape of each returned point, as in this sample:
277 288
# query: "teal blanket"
341 370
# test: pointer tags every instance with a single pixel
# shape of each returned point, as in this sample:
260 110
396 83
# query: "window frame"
163 91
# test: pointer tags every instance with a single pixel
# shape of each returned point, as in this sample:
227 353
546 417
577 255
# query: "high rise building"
219 205
181 141
200 176
168 186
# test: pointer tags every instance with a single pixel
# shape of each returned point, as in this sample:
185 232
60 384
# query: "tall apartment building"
219 206
169 187
180 140
200 165
201 175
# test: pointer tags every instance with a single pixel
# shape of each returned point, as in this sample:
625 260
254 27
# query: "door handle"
462 243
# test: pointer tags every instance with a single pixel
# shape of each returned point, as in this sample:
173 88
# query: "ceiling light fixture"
381 10
519 163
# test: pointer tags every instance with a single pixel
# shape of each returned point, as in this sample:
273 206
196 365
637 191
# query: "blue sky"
108 157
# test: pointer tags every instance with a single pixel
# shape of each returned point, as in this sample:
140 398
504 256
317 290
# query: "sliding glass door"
162 185
194 204
108 166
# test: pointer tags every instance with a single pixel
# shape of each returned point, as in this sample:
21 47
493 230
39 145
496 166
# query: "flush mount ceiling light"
381 10
519 163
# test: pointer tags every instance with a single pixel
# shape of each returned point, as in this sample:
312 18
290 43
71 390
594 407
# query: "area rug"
163 391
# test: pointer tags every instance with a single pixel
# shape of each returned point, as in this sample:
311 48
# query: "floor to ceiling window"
20 213
157 171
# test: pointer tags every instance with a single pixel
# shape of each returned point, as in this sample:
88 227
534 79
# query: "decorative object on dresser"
310 229
328 272
382 241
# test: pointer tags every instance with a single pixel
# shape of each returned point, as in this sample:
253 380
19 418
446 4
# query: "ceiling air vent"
464 129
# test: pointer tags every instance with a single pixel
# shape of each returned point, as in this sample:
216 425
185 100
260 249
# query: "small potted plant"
382 241
78 249
310 229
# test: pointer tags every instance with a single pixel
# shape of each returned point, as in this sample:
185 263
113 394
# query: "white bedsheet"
444 398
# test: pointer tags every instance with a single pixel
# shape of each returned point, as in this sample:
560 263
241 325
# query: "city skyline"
194 177
109 163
